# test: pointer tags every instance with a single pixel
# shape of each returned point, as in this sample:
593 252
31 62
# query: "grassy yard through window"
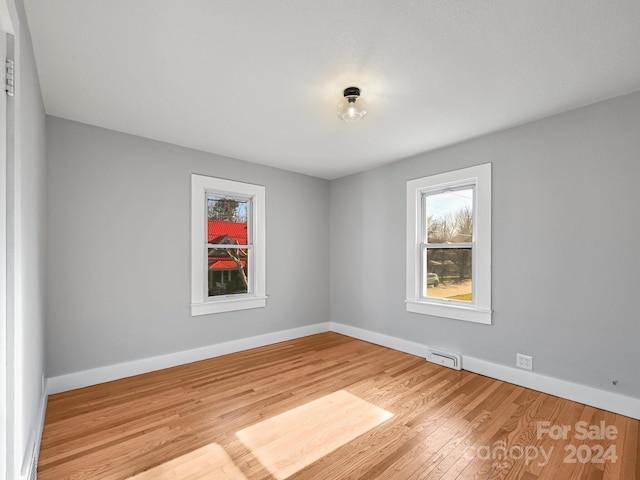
452 290
466 297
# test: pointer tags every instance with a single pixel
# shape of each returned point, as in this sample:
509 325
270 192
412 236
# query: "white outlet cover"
524 361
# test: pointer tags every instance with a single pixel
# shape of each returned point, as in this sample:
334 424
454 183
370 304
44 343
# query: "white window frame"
201 303
479 310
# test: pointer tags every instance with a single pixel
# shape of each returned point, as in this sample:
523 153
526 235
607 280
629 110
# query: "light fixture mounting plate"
351 92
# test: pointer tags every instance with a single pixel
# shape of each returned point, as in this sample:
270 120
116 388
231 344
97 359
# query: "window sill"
227 305
456 312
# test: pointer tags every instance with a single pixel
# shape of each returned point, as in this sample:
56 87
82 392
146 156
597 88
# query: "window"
227 245
449 245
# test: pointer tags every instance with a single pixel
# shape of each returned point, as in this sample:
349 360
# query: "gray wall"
26 245
119 249
566 264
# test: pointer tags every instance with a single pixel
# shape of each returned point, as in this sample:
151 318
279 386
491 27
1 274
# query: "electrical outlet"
524 361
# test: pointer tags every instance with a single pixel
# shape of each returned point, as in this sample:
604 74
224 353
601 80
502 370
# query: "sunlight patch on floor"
288 442
210 462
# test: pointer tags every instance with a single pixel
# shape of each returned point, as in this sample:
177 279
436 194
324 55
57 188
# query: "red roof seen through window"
227 232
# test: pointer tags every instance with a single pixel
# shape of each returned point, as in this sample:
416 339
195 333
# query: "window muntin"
449 236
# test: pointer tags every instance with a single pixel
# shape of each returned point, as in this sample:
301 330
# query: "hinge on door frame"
10 83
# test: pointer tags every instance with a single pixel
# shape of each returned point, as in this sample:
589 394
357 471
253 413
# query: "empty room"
267 240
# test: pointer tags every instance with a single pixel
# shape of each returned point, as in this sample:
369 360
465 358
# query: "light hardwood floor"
328 407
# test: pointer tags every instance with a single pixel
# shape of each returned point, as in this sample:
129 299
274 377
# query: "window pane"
449 216
447 273
227 273
227 220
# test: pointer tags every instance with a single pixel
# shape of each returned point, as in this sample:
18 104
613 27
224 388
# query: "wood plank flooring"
328 407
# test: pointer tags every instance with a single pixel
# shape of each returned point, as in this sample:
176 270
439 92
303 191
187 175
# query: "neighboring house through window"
449 245
227 245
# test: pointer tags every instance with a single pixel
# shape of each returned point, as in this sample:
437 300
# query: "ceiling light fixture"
352 108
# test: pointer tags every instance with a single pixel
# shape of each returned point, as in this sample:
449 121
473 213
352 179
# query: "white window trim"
201 303
480 311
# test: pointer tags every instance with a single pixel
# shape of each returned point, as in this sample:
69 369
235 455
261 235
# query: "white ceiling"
259 80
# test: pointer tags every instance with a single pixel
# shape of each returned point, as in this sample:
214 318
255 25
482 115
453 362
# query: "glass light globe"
352 108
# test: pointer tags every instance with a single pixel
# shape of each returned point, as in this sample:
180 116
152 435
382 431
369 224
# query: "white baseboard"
594 397
613 402
35 437
380 339
94 376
